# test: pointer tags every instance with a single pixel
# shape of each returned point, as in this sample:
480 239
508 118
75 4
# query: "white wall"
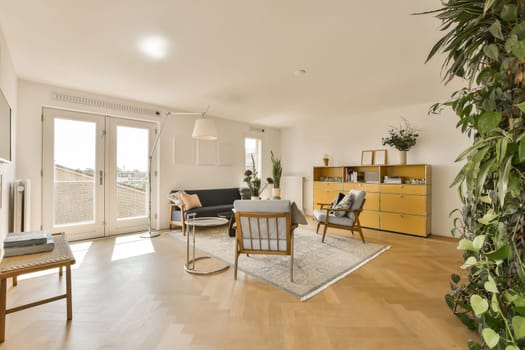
343 139
175 172
8 85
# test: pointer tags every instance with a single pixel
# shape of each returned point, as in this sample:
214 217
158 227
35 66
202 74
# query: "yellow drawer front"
403 203
321 196
369 218
405 189
328 186
411 224
361 186
372 201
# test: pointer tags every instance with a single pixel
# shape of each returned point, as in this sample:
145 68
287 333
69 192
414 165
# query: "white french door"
95 174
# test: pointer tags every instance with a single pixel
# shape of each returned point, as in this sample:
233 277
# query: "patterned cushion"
190 200
345 203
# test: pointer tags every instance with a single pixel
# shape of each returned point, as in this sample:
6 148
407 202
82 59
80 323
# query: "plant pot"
325 161
276 193
402 157
255 198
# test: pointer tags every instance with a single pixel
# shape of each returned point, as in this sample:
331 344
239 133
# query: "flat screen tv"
5 129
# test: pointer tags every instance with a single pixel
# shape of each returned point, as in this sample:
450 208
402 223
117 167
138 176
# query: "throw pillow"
337 199
175 197
345 203
298 217
190 201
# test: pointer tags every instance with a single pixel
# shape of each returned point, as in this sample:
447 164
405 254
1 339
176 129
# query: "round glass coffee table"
193 222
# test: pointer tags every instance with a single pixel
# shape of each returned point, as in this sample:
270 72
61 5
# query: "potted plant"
277 172
484 44
402 138
254 182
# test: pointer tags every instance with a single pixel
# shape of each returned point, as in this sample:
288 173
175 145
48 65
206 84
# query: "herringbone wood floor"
125 297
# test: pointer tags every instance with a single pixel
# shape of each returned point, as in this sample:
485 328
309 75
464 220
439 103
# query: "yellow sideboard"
403 207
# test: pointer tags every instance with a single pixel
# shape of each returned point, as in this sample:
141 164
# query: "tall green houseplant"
484 43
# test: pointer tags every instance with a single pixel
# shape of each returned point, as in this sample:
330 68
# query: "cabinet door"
412 224
372 201
325 192
369 218
403 203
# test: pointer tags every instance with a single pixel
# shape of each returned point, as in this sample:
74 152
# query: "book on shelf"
23 239
48 246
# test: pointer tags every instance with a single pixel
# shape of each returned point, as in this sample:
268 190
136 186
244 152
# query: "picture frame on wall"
380 157
367 157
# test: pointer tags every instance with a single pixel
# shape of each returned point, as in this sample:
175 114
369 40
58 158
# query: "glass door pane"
127 193
132 172
74 168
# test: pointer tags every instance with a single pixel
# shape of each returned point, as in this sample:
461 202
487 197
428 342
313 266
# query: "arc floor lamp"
204 129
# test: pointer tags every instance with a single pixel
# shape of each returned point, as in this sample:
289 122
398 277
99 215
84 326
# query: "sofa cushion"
190 201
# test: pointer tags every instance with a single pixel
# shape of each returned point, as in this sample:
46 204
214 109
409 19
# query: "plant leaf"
509 12
489 120
490 337
488 4
518 49
492 51
521 151
488 218
519 30
511 347
490 285
471 261
479 304
495 30
518 324
465 244
503 181
478 242
500 254
494 304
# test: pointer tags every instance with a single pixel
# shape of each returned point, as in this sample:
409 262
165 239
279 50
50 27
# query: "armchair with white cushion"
264 227
340 216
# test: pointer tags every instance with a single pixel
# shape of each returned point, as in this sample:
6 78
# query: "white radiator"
292 189
21 206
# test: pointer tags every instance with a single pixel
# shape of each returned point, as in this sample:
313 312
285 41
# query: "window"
252 146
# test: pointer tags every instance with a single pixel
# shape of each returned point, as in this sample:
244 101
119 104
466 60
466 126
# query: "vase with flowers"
402 138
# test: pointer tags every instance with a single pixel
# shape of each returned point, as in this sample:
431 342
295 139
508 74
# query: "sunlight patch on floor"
130 246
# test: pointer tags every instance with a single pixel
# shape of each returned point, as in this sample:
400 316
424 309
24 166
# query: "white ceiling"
237 56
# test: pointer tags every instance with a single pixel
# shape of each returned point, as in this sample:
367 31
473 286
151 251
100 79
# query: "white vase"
402 157
276 193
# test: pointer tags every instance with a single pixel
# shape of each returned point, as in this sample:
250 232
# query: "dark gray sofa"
214 201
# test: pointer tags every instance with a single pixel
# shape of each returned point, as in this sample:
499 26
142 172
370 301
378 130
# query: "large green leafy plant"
484 43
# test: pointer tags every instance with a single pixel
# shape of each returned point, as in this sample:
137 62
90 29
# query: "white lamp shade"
204 129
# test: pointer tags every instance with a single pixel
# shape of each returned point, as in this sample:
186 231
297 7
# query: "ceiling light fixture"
300 72
154 47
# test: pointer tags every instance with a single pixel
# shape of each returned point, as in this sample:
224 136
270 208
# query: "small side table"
60 256
200 222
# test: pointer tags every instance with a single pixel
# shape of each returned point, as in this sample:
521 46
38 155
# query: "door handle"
101 177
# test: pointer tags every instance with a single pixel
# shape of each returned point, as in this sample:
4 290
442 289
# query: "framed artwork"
367 157
380 157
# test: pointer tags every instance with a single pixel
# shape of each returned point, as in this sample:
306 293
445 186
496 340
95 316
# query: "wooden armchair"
349 221
263 227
